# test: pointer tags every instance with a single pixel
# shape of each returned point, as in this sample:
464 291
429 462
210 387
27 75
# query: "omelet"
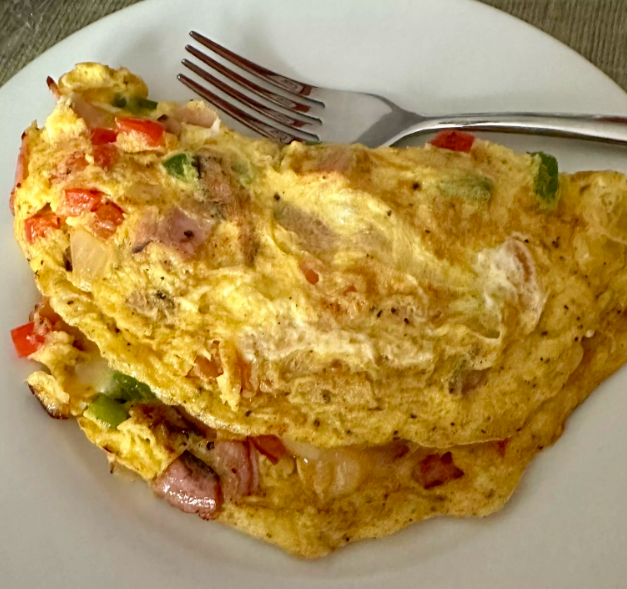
314 343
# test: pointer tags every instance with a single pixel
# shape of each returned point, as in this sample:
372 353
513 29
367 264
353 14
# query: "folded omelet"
314 343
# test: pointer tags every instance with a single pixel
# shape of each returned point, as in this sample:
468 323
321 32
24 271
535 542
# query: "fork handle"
610 129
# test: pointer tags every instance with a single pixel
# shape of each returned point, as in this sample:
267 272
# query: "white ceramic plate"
65 522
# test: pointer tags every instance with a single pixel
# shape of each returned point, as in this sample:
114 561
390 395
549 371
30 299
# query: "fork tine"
278 99
241 116
283 82
237 95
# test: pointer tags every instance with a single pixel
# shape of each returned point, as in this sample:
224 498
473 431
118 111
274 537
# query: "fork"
286 110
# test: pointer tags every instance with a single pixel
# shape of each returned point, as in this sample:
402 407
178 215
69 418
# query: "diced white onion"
95 373
90 256
303 449
335 473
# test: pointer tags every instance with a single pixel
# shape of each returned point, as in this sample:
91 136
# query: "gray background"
597 29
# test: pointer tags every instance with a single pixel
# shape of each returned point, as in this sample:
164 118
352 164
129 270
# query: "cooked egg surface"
330 294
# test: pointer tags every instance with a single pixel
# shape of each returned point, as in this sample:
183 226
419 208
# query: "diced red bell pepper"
150 131
453 140
105 156
107 218
270 446
40 225
77 201
25 340
100 136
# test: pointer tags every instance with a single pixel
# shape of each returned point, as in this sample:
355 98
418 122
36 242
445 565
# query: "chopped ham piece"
436 470
235 462
94 117
170 124
191 486
270 446
230 199
177 231
219 187
146 231
314 235
254 465
170 420
73 164
182 233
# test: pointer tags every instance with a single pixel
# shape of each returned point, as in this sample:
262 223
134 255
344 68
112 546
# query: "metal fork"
286 110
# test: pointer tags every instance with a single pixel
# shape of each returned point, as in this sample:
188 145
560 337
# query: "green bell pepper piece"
107 410
134 104
547 179
474 188
181 166
125 388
